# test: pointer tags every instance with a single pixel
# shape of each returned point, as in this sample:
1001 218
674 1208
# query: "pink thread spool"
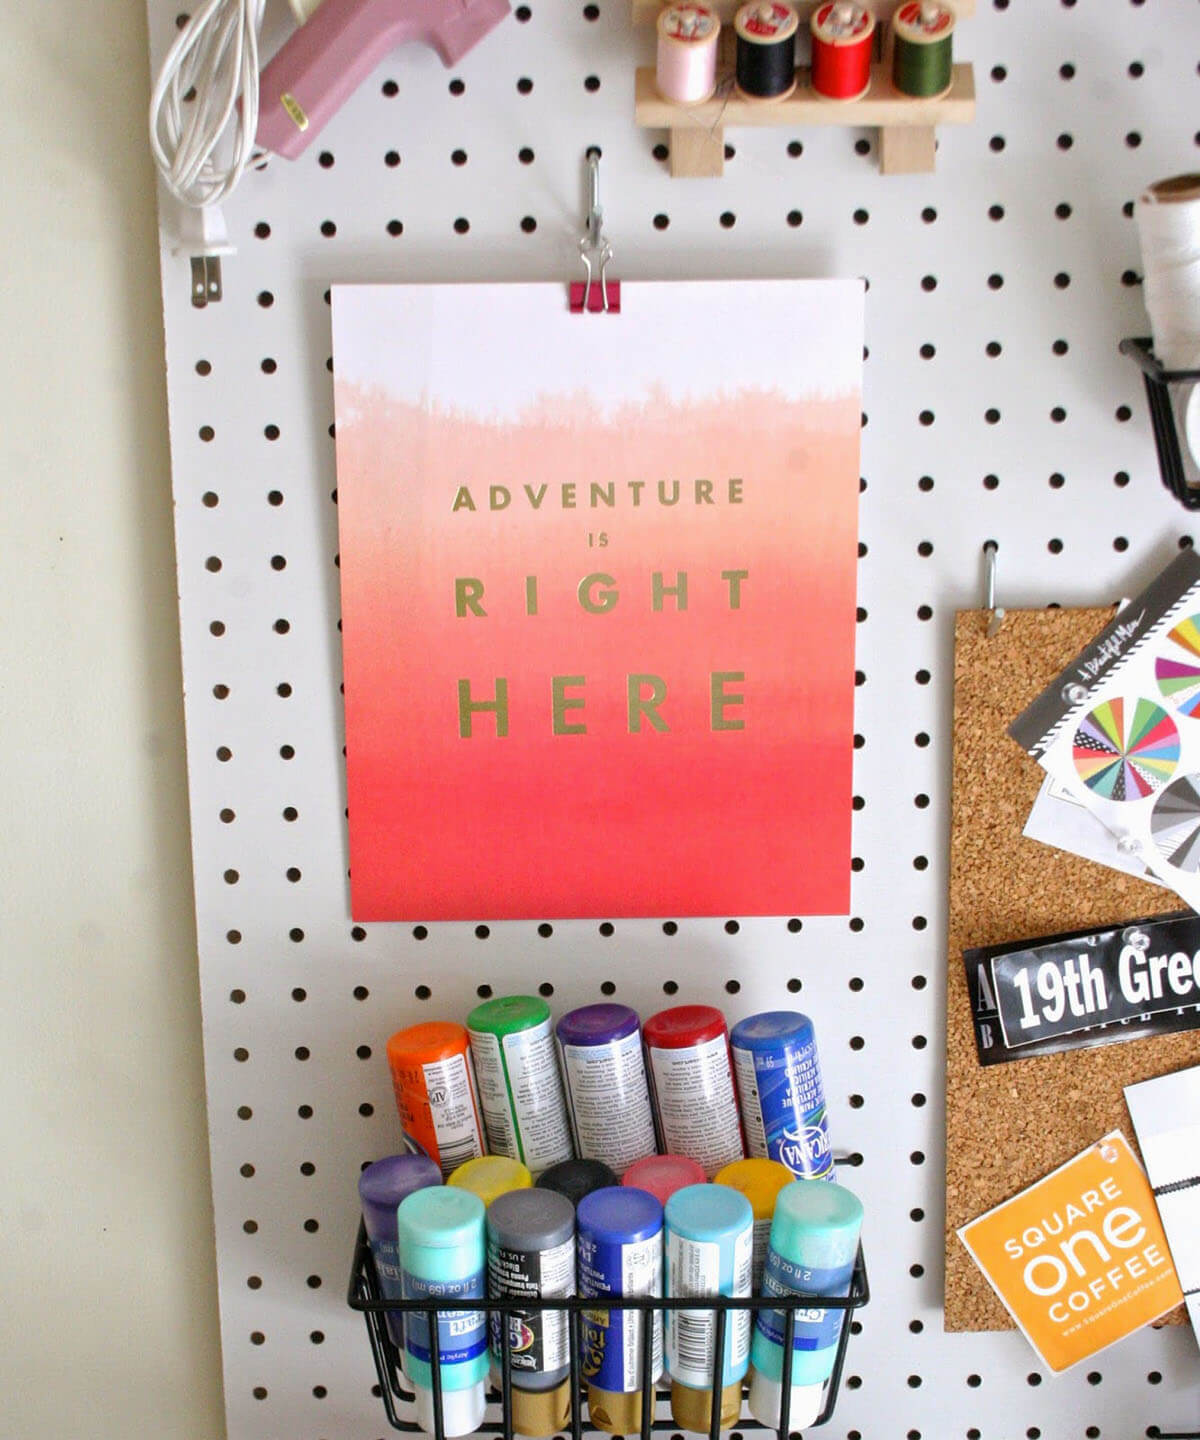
686 72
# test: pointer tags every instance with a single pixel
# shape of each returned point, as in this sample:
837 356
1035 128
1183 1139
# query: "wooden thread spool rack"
907 126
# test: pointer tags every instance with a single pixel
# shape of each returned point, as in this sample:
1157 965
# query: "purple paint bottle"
604 1074
381 1187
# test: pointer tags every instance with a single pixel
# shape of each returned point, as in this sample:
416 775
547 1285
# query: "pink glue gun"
325 61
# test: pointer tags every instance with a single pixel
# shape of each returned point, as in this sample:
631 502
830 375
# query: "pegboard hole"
524 85
607 987
545 990
328 229
422 992
795 985
733 987
484 991
391 159
545 930
457 87
395 228
606 928
795 218
857 1042
670 987
305 1112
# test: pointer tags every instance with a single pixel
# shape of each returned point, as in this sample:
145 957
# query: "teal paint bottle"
442 1243
814 1241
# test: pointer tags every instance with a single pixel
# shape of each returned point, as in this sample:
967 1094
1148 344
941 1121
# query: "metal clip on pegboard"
366 1296
1174 397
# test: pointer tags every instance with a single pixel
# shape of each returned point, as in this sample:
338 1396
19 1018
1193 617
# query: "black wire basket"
366 1295
1168 393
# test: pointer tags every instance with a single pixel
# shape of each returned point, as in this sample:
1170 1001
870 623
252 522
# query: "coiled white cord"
203 144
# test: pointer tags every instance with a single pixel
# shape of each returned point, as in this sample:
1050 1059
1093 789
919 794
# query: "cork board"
1007 1125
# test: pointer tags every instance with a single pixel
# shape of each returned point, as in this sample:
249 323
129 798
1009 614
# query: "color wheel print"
1178 669
1126 749
1175 824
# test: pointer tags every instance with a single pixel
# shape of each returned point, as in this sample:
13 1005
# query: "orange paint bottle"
434 1083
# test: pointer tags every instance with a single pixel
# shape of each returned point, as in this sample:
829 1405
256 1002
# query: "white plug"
200 233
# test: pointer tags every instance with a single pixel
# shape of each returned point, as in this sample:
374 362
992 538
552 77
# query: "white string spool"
1168 221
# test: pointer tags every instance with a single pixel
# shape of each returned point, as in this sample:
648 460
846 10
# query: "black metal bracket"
1168 393
366 1295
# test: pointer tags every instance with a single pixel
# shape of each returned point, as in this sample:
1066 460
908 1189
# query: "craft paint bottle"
576 1178
709 1245
843 37
531 1252
620 1232
435 1092
760 1181
520 1087
779 1087
489 1176
662 1175
381 1187
814 1240
608 1098
691 1085
442 1256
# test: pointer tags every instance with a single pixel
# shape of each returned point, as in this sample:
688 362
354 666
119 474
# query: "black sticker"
1085 988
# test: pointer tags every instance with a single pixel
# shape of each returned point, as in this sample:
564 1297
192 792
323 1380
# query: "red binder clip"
595 251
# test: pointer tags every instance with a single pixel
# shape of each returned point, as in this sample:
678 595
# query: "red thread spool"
843 35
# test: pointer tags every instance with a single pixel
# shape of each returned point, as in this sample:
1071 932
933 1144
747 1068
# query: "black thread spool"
766 50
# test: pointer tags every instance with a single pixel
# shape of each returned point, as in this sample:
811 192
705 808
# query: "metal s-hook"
594 247
995 612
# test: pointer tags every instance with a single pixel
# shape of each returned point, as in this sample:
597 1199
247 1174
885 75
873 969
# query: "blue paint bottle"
443 1256
620 1237
709 1250
780 1092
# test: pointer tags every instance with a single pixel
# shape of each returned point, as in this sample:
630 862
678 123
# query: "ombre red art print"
598 598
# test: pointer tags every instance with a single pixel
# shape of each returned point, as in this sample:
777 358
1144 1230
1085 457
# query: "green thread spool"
922 57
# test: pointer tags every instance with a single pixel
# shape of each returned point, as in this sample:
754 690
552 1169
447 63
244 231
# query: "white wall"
106 1252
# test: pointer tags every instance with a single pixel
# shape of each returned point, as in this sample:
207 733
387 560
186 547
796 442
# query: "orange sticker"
1079 1259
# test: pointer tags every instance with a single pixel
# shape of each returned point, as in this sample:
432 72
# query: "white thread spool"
1168 221
686 71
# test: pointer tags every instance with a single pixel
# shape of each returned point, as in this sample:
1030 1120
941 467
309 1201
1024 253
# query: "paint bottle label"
762 1242
612 1339
461 1334
451 1099
697 1107
783 1106
610 1101
694 1267
539 1338
816 1329
518 1077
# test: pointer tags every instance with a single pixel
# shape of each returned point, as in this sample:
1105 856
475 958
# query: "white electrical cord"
202 144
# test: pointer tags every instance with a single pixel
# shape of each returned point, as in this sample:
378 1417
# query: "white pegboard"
1019 241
